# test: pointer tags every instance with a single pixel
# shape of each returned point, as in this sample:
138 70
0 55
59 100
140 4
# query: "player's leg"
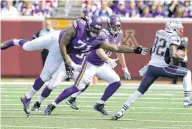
72 99
113 79
55 80
84 78
52 63
43 42
175 62
146 82
177 71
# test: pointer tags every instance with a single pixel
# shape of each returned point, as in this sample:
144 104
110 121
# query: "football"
181 53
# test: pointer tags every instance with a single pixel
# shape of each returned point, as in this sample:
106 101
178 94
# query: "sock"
66 93
187 85
110 90
30 93
75 95
45 93
131 100
101 102
36 86
9 43
19 42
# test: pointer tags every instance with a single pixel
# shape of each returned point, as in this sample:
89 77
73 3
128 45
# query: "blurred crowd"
28 7
138 8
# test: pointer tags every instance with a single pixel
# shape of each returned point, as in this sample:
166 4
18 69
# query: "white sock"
54 103
16 42
187 85
75 95
30 93
101 102
131 100
41 99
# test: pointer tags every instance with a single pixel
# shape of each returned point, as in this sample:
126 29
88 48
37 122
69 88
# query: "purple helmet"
114 24
94 25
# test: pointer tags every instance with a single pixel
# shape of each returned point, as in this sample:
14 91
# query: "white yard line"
91 101
114 97
41 127
90 93
141 107
111 111
91 118
125 85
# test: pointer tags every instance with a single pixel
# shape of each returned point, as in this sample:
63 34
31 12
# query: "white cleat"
188 103
117 115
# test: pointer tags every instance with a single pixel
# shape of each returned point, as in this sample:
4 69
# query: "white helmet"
174 25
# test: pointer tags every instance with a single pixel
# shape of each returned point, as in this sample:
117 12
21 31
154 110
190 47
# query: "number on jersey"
159 47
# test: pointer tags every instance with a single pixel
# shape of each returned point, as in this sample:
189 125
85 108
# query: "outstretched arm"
123 48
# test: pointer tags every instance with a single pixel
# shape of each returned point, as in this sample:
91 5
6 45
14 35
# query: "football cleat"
49 109
72 102
26 104
100 108
117 115
188 103
36 106
7 44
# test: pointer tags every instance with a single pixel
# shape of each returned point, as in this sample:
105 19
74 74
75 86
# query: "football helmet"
175 25
114 24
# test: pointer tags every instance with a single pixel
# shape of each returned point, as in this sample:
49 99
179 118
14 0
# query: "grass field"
160 108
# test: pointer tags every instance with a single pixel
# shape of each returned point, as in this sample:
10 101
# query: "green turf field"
160 108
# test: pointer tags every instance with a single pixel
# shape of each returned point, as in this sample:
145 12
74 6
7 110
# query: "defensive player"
114 34
81 37
57 78
94 65
164 48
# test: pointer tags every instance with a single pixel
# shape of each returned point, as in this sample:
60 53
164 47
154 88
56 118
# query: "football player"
57 78
114 34
81 37
164 48
94 65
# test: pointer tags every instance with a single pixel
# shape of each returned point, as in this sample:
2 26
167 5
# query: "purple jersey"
77 59
93 58
82 43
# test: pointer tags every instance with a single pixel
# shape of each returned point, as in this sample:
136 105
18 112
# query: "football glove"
127 75
141 50
69 70
112 62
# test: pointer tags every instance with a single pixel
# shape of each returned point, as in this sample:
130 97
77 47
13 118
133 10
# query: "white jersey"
163 40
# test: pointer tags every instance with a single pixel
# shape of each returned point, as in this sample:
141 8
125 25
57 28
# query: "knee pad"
115 79
45 76
26 47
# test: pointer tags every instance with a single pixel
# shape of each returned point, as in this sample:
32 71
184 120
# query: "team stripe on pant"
81 73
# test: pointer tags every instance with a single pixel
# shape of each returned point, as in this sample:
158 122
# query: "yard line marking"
61 105
110 101
124 85
96 90
42 127
112 111
91 118
90 93
98 97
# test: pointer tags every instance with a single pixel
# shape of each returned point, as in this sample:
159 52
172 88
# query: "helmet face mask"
114 25
94 30
175 25
94 26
